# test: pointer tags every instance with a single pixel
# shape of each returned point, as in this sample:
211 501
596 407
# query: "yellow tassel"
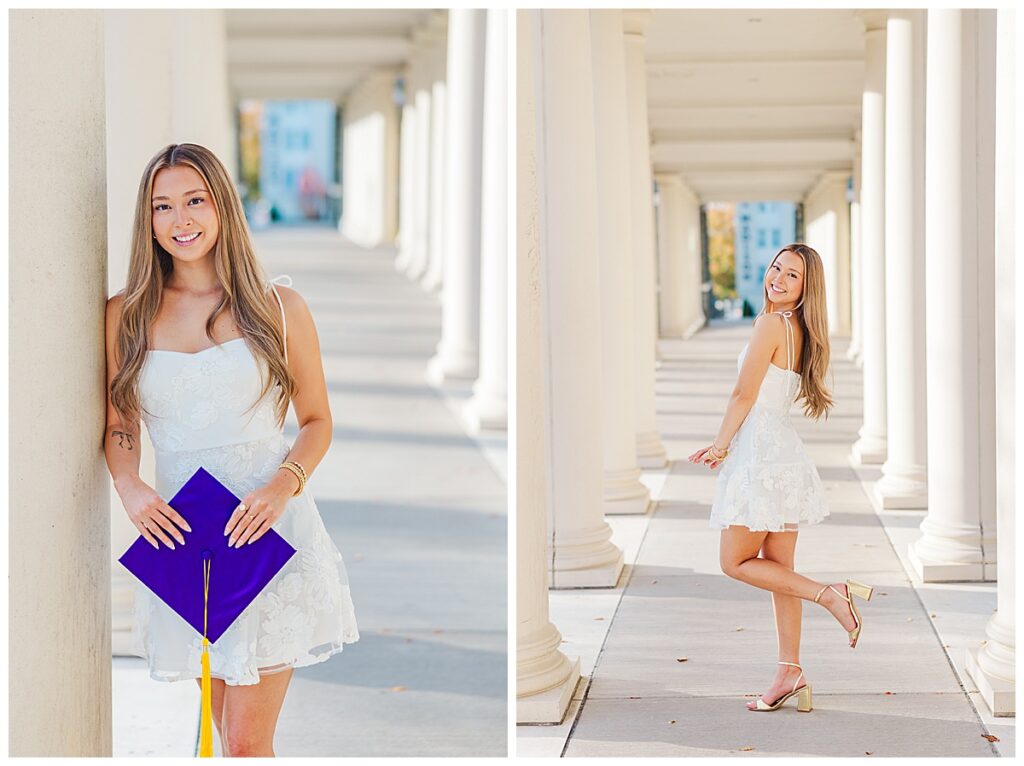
206 717
206 713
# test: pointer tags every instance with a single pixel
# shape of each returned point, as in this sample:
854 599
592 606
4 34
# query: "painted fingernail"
171 545
188 528
231 542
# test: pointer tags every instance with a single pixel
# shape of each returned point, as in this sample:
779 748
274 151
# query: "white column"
457 352
407 182
904 482
421 175
649 450
955 544
623 492
871 446
434 273
545 677
827 223
680 313
489 406
853 351
993 664
58 530
582 552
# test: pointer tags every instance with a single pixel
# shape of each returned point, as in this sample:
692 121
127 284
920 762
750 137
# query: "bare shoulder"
294 303
115 303
768 330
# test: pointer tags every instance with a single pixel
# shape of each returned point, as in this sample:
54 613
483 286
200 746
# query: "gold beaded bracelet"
299 472
717 454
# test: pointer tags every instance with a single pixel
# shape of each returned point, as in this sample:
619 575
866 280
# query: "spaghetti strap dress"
198 408
769 482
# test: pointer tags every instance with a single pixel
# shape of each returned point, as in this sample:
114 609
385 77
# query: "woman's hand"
154 518
706 456
260 509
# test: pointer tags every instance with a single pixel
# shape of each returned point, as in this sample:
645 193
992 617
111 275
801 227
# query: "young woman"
209 354
768 484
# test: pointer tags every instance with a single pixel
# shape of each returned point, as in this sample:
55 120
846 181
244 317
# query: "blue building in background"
762 228
297 158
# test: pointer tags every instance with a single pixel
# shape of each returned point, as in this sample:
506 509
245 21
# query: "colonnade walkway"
677 648
417 509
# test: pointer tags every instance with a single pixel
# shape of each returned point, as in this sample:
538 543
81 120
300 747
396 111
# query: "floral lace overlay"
769 482
198 412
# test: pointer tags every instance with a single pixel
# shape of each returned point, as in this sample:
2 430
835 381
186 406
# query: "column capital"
635 22
873 20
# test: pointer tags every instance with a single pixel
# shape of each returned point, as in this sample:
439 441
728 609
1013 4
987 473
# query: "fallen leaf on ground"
738 629
869 752
991 737
888 692
932 614
882 593
672 721
654 582
598 619
398 688
682 659
745 749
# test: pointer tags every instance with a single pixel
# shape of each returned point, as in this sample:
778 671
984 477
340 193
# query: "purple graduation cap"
236 575
206 582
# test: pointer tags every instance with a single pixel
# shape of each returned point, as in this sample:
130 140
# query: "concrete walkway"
418 511
675 650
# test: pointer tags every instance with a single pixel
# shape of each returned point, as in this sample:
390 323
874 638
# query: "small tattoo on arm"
122 437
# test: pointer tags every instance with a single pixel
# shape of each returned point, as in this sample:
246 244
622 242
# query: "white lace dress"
197 410
769 482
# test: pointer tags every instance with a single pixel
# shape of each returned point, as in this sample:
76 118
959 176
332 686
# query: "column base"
451 366
998 693
549 706
431 282
605 575
869 450
697 324
624 493
487 411
934 570
649 451
904 491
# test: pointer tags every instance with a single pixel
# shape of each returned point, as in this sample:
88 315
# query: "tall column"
421 175
955 544
853 351
993 664
489 406
582 552
59 535
623 492
827 223
457 352
904 482
649 450
407 182
871 446
545 677
680 313
434 273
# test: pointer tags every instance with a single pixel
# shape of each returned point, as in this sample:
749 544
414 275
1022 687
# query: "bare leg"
780 547
250 715
738 559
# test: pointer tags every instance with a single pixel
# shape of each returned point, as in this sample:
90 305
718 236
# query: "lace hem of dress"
770 498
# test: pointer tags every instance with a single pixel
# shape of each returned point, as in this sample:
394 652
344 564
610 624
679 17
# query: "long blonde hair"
240 274
816 353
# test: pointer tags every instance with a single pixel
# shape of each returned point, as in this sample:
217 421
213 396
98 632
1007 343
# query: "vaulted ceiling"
315 53
754 104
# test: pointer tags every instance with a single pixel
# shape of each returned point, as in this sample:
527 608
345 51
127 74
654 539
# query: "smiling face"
185 220
784 280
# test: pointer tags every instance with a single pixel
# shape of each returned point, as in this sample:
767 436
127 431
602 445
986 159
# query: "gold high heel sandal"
803 702
853 588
